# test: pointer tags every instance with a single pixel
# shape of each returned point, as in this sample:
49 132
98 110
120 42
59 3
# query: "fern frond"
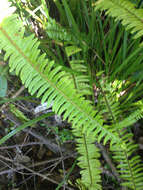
124 11
41 76
82 80
88 159
130 119
108 103
56 32
129 165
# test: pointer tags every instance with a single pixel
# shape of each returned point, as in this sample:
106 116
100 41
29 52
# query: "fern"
88 159
51 83
56 32
89 154
130 119
129 165
124 11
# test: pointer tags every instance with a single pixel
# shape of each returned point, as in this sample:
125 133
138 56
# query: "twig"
21 166
33 165
20 145
18 92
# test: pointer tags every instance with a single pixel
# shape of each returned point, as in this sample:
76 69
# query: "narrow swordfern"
52 84
40 75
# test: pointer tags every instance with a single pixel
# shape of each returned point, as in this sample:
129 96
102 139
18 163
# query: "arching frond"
130 119
52 84
124 11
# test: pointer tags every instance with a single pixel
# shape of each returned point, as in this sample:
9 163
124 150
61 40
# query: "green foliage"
18 113
130 167
56 88
88 160
86 53
121 10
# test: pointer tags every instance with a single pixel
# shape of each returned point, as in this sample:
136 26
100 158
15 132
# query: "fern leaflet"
124 11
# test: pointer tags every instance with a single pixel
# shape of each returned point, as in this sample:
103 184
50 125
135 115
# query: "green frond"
56 32
130 119
129 164
108 103
88 159
50 82
124 11
82 80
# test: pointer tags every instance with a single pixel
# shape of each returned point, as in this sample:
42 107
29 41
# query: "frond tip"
124 11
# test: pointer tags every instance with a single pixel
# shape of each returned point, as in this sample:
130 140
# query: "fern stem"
134 184
87 157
